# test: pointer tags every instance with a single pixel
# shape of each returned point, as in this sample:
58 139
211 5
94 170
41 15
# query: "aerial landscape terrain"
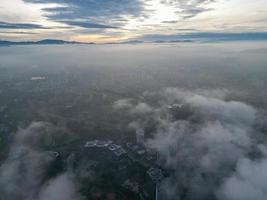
133 100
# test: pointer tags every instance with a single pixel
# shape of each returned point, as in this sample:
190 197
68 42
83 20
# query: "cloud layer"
91 13
190 8
248 182
6 25
89 20
23 174
209 150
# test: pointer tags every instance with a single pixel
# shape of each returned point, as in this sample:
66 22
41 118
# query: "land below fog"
132 121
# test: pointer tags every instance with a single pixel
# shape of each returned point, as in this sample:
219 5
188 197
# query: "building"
113 147
140 137
97 143
155 174
103 143
120 151
180 111
132 146
131 185
90 143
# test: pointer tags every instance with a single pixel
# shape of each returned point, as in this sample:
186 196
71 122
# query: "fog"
212 152
217 151
237 66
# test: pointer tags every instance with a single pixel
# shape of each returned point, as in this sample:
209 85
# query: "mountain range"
40 42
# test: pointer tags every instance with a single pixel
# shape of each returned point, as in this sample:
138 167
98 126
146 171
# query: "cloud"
207 36
18 32
141 108
248 182
171 95
203 149
6 25
88 25
92 12
230 112
133 108
190 8
170 22
62 187
189 13
24 172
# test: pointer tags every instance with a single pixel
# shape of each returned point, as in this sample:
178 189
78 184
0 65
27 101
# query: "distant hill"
41 42
132 42
61 42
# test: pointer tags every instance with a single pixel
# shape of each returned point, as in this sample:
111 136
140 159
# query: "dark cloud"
18 32
7 25
88 25
192 12
91 11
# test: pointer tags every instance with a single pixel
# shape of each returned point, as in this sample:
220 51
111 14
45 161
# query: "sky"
121 20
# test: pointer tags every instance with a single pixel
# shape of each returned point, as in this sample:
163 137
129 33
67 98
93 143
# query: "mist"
212 152
201 107
24 173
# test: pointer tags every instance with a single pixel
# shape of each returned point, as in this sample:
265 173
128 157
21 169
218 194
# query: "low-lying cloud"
23 174
209 144
248 182
62 187
211 151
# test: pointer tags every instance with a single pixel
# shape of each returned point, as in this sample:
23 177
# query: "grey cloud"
133 107
208 36
92 11
210 150
204 149
230 112
192 12
248 182
62 187
7 25
141 108
190 8
169 22
18 32
171 95
88 25
23 174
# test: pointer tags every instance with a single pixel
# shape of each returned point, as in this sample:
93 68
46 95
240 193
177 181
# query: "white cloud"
22 175
247 183
141 108
135 18
61 188
204 149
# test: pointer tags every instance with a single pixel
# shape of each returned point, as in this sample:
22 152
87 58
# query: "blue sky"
118 20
